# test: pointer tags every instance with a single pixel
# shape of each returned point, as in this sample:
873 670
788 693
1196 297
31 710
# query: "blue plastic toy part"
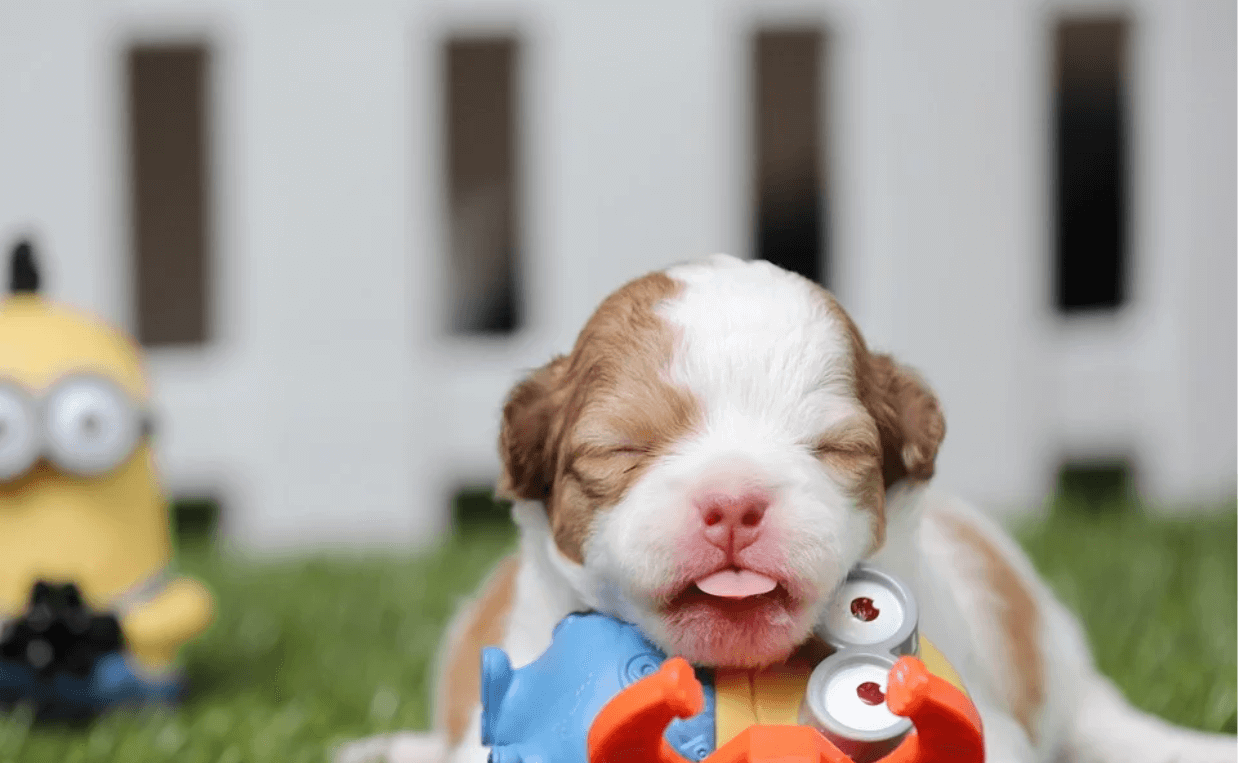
542 712
112 682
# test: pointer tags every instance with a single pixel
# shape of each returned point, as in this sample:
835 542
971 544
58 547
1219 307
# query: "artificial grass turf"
310 653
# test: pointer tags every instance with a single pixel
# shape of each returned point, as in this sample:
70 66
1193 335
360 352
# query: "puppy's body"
715 454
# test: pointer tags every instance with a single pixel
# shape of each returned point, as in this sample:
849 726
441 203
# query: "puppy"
719 448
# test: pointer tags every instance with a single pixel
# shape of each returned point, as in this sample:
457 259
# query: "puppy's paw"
401 747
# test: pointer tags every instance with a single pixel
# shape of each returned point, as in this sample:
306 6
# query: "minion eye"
19 435
91 426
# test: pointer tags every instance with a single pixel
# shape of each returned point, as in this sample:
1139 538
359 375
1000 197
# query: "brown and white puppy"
716 452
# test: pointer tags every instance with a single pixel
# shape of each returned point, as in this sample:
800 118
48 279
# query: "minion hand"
156 629
59 633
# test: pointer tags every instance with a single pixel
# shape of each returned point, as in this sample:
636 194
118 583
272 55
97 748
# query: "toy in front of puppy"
543 711
90 615
603 693
629 728
884 694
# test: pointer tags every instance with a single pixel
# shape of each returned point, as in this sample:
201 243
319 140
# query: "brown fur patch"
909 419
578 432
531 411
1019 619
906 429
481 623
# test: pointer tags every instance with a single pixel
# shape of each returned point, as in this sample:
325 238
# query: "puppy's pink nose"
733 522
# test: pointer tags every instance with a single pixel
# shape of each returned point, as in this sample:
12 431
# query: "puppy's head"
714 453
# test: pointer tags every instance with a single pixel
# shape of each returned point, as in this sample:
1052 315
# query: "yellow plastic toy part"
772 696
155 630
939 666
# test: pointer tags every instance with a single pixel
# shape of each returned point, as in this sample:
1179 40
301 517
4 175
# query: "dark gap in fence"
790 174
1101 486
195 521
170 212
476 510
481 109
1091 164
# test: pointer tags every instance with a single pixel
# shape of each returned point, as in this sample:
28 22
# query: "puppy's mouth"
733 594
733 617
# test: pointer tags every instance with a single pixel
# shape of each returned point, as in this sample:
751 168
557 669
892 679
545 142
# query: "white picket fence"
330 409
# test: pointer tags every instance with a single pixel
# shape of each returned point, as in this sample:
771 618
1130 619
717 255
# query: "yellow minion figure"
90 616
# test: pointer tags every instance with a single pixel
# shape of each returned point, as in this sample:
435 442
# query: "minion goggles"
84 424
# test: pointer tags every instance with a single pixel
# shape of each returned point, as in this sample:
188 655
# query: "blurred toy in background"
873 689
90 615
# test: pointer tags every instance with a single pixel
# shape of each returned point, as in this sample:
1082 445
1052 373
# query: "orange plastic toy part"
629 728
948 728
779 744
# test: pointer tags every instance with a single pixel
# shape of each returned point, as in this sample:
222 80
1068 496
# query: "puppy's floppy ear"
909 418
529 433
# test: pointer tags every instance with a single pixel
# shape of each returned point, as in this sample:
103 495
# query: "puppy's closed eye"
600 463
603 474
608 457
849 446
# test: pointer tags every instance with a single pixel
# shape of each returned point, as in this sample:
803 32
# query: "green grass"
1157 598
304 655
307 654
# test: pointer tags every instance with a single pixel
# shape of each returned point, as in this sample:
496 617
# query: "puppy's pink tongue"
736 584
